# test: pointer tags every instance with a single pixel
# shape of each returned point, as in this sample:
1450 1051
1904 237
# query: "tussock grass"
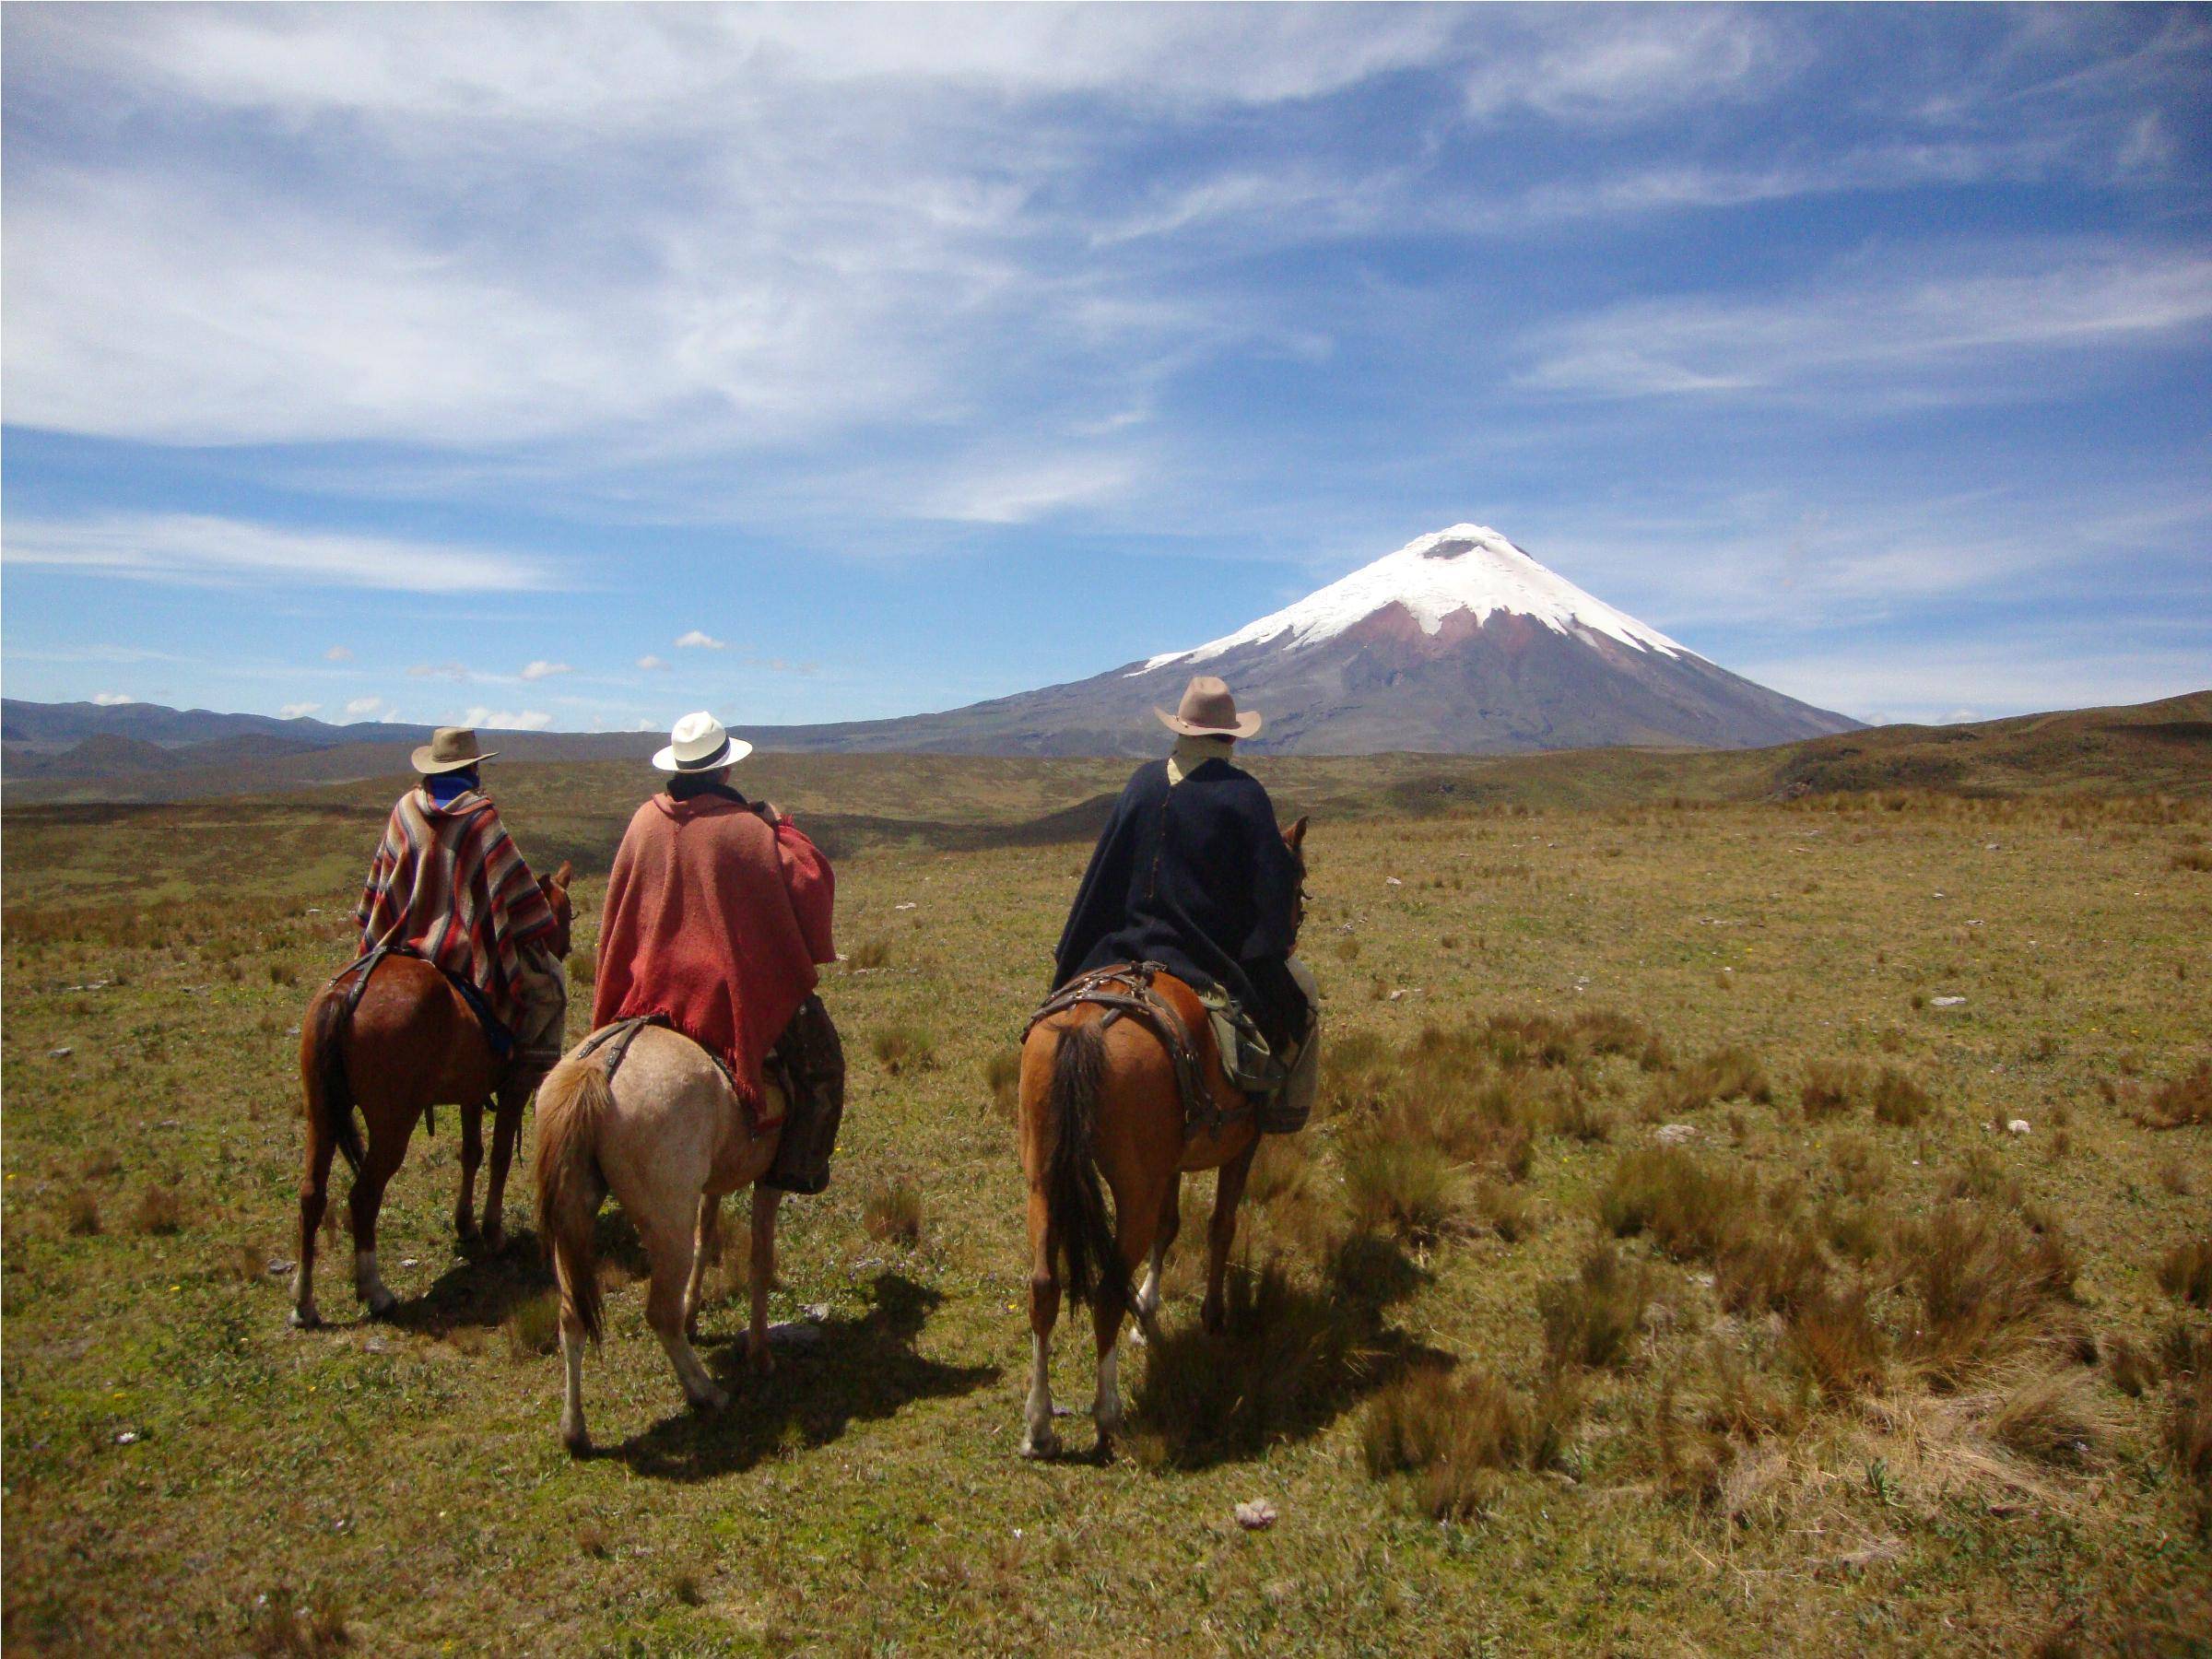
2186 1271
1457 1431
1731 1072
1593 1317
869 954
583 969
2053 1416
158 1211
81 1213
2188 1437
285 1628
1002 1076
534 1328
1985 1283
903 1048
2181 1102
1898 1099
893 1212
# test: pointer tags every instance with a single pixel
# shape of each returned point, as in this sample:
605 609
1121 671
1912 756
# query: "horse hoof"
495 1239
385 1307
1036 1445
716 1400
578 1443
306 1319
464 1229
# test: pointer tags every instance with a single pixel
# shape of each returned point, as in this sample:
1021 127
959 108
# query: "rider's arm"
812 886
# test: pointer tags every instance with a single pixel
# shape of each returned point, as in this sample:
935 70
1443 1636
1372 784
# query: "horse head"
1294 838
556 890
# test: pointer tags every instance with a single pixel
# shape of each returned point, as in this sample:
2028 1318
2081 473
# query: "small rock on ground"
1256 1515
1673 1135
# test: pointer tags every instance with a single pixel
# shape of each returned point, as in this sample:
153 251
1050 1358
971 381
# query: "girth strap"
616 1038
1127 989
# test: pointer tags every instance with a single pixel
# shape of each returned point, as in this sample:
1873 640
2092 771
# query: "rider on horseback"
717 911
1192 873
448 885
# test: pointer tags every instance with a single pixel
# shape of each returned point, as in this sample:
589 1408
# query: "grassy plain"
1760 1426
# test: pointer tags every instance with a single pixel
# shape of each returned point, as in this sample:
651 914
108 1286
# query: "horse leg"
506 1132
669 1226
705 1249
1220 1233
1136 1224
765 1199
315 1199
1147 1294
472 1155
1039 1439
388 1135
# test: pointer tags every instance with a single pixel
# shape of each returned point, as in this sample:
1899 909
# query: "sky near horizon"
579 367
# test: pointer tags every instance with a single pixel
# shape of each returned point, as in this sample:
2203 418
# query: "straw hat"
1208 710
450 749
697 743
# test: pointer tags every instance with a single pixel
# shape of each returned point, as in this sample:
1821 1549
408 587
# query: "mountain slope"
1459 642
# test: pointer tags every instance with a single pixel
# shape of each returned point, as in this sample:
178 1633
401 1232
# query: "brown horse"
1098 1097
668 1137
412 1043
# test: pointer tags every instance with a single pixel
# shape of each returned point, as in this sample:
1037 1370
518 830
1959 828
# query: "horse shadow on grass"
1296 1355
864 1368
486 1287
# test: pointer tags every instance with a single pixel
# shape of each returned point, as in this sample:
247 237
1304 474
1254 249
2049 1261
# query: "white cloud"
1605 65
507 720
297 710
699 641
1909 337
367 707
650 663
196 548
1024 495
338 653
456 672
541 669
111 700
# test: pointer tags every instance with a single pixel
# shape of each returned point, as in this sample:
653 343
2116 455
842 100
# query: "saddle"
494 1031
808 1065
1126 989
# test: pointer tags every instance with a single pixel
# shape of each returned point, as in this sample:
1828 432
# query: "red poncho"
715 921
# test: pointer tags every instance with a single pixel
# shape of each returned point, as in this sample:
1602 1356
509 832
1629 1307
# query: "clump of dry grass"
81 1214
903 1048
1986 1282
867 954
283 1629
2186 1271
2181 1101
1830 1088
893 1212
583 970
1898 1099
1687 1206
2053 1416
1408 1187
1002 1076
1457 1432
2133 1372
1593 1317
1732 1072
1507 1210
2189 1444
1354 1070
1519 1039
592 1540
534 1328
158 1211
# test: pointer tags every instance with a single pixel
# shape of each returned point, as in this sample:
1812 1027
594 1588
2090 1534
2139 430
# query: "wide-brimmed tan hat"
1208 710
450 750
697 743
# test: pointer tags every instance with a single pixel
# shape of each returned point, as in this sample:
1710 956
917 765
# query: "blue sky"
579 367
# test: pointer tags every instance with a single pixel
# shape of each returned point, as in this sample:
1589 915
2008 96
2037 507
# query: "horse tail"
1074 1205
572 1103
329 1090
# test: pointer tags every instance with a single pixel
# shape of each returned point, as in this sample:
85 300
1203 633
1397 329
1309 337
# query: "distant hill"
50 728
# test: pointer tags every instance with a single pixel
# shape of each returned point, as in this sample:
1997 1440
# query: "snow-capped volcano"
1468 567
1459 642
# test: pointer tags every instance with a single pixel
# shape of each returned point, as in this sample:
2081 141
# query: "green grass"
1821 1445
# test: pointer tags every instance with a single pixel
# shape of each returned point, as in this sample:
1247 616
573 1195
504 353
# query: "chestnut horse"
668 1137
412 1043
1103 1099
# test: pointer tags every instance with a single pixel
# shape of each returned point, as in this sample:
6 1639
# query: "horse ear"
560 877
1295 837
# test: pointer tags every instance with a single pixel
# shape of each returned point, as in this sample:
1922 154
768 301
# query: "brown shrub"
2186 1271
892 1212
2182 1101
1593 1317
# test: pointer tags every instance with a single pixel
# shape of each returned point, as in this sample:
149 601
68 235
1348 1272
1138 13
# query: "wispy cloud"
541 669
367 708
338 653
112 699
190 547
298 711
699 640
507 720
1601 65
650 663
1898 336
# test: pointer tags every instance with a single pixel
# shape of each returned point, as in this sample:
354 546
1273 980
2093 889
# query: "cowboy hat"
450 749
1208 710
698 743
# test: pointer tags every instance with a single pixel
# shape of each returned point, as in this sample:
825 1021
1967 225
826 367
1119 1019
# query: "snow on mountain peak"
1466 567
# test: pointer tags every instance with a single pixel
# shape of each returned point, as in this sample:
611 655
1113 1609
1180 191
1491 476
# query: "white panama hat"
698 743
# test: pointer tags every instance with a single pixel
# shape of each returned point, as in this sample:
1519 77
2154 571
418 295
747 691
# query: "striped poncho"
447 882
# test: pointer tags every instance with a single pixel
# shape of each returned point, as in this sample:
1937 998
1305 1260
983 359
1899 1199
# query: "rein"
1127 990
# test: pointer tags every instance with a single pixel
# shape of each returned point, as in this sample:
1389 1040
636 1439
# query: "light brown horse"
668 1137
1103 1099
412 1043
